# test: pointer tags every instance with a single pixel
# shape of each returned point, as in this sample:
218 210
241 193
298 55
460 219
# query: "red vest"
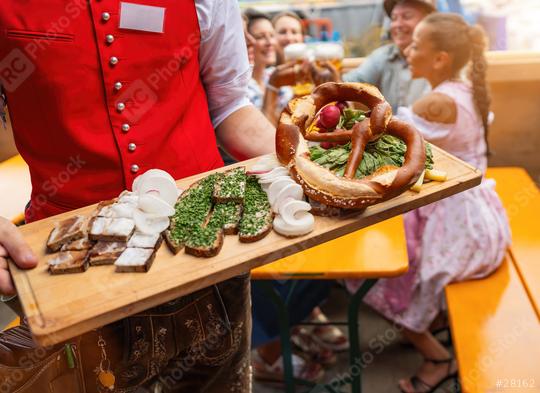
93 106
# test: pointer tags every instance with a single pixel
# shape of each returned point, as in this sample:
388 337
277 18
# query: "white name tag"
141 17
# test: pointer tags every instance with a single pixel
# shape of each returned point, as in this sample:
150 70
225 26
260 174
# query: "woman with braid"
461 237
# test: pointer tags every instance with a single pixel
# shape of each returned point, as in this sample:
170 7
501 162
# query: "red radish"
327 145
342 105
329 117
321 127
257 172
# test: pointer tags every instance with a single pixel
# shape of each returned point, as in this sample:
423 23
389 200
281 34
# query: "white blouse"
223 61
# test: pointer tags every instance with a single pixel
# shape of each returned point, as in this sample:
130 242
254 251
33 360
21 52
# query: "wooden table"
377 251
15 188
61 307
374 252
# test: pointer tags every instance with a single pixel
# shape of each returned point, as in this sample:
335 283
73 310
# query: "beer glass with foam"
298 53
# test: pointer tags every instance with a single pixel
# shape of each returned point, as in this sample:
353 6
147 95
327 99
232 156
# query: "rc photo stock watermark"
15 68
18 65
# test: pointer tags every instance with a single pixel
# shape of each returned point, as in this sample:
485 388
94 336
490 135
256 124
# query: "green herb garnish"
257 210
349 117
385 150
232 184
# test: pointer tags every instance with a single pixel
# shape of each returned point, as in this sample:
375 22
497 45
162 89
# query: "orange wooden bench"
495 321
14 323
15 188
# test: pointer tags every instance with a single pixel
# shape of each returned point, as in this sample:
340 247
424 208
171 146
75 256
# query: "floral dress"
459 238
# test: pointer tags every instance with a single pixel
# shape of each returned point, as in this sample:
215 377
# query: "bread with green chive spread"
231 186
192 210
256 221
205 241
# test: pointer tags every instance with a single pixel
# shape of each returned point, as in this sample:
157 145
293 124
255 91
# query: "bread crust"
174 246
207 252
75 262
347 192
67 231
260 235
137 268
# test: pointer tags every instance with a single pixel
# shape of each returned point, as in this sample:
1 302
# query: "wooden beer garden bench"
495 321
15 188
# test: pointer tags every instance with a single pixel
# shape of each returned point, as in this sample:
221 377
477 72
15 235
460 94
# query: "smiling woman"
261 29
289 30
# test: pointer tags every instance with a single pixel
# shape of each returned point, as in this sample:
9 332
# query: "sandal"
328 336
421 386
304 341
273 373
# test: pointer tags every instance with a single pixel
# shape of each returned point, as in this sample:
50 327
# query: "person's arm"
13 246
246 133
434 116
241 129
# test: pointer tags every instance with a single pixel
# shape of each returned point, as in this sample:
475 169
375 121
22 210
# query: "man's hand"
284 75
290 73
12 245
325 72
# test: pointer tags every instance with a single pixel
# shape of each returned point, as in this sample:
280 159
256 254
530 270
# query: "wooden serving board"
63 306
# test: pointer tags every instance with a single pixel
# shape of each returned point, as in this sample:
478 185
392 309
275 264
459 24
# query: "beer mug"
331 52
298 53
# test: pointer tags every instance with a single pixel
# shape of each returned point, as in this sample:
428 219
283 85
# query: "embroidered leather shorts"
197 343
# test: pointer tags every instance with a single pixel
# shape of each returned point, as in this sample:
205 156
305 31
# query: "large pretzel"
321 184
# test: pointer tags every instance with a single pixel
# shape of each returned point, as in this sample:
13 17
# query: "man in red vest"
99 92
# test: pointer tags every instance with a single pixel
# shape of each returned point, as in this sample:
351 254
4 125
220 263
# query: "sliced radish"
279 171
152 204
161 187
265 166
268 160
148 174
293 191
150 223
277 186
254 172
294 212
271 180
285 229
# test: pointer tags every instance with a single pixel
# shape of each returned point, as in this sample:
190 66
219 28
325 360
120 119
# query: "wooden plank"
495 333
503 66
15 187
60 307
380 246
521 198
